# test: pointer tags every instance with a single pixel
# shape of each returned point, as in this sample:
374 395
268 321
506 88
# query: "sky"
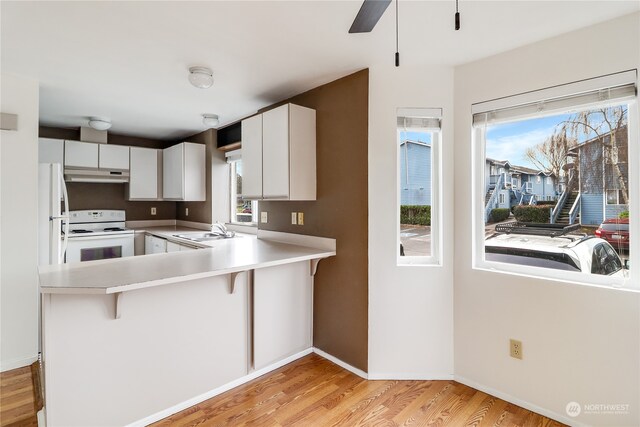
509 141
415 136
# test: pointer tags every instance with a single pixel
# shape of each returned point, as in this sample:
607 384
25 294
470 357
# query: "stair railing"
494 195
575 210
555 213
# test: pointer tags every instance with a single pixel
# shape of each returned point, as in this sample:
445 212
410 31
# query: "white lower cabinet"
282 312
177 247
154 245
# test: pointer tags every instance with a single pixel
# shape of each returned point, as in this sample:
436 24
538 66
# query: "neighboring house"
508 185
415 173
594 190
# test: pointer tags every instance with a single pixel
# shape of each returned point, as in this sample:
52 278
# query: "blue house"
415 173
598 179
508 185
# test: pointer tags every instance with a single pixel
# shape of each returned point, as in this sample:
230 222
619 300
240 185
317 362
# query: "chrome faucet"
221 230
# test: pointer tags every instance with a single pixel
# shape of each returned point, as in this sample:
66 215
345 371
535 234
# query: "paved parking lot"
416 240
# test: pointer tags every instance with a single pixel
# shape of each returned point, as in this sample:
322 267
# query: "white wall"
18 224
410 307
580 343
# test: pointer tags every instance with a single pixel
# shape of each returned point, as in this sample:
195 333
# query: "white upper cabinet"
81 154
113 157
50 150
286 147
144 177
252 157
184 172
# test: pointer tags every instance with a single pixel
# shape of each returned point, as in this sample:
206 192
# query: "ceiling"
128 61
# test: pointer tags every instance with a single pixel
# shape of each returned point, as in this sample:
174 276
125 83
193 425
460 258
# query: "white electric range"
98 234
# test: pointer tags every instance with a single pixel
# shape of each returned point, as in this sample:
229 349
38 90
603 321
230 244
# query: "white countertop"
126 274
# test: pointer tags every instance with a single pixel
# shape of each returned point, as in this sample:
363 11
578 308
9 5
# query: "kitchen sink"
204 237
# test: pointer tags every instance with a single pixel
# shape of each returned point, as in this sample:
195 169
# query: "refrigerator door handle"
65 218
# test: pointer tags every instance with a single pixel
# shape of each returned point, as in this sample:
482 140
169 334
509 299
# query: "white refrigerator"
53 222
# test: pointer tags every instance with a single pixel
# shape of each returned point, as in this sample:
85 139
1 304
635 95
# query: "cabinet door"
143 179
194 172
173 247
275 153
154 245
252 157
173 172
114 157
80 154
282 312
50 150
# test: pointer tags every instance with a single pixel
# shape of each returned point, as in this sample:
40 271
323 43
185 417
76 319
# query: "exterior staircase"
487 196
563 218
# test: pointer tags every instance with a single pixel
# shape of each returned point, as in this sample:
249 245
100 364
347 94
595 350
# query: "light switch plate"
153 211
294 218
186 211
263 217
300 218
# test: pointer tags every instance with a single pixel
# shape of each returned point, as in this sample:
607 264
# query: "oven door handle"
85 238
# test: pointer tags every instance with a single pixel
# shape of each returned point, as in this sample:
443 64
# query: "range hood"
96 175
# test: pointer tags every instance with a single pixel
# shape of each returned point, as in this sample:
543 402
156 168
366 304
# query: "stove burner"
114 229
81 231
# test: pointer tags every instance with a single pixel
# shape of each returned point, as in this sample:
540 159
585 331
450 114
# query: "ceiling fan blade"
368 15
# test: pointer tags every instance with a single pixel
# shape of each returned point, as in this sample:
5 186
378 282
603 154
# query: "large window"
418 145
244 212
575 224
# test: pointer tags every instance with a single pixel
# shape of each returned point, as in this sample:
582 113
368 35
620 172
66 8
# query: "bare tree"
607 125
551 155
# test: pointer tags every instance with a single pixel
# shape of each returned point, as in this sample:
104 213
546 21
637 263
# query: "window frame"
232 159
478 140
435 259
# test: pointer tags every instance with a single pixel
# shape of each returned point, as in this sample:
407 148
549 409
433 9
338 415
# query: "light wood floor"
17 399
313 392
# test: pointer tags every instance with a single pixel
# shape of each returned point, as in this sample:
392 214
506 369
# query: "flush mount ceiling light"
210 120
99 124
201 77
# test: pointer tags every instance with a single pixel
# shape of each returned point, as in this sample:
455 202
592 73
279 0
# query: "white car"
542 245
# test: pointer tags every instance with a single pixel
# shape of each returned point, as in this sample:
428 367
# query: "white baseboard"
216 391
342 364
8 365
410 376
519 402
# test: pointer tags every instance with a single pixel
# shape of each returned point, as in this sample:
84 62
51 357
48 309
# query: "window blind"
233 156
419 118
591 93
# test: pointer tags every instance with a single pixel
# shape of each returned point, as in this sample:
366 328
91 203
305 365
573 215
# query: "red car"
616 232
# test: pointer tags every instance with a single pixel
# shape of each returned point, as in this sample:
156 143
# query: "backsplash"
83 195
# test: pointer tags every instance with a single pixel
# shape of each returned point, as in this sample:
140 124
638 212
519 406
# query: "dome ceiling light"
99 124
210 120
201 77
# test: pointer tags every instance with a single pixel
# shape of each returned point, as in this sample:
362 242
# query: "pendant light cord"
457 25
397 49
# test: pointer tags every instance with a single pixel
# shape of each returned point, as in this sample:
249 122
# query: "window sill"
251 228
602 282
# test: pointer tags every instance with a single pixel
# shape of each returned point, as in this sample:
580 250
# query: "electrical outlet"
300 218
264 217
186 211
294 218
153 211
515 349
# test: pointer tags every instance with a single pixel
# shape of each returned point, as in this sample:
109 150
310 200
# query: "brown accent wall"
340 212
200 211
84 195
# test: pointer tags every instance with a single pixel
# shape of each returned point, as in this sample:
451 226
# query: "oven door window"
93 254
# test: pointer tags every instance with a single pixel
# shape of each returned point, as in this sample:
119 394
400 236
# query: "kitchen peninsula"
163 332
